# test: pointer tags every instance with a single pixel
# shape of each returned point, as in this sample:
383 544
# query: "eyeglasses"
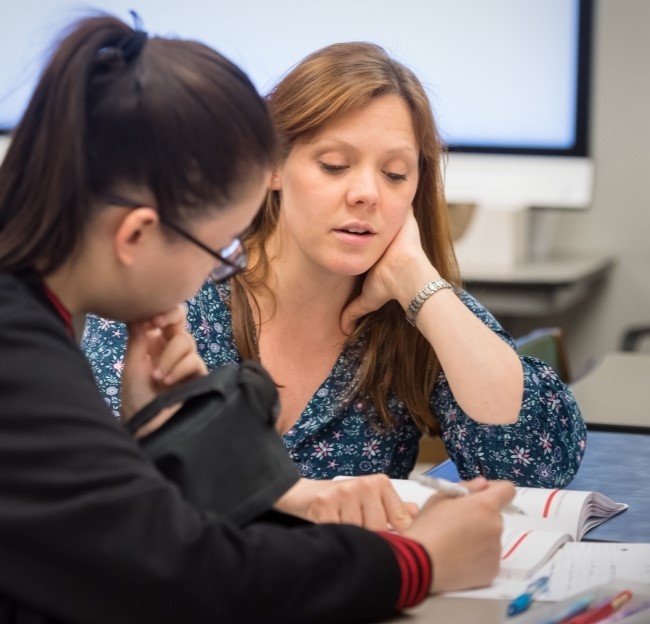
232 258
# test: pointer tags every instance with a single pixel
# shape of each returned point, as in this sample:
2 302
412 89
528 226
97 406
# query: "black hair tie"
132 45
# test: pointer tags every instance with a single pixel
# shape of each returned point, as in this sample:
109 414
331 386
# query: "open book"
552 517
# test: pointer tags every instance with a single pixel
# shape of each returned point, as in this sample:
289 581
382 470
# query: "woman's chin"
351 267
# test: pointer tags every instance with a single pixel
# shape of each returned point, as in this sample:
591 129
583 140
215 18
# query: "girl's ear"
134 233
275 183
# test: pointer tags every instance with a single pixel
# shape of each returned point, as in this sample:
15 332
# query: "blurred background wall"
619 220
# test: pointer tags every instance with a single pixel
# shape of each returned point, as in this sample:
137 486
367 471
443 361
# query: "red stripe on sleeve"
416 569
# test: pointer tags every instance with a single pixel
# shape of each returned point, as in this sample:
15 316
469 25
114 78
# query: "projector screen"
504 77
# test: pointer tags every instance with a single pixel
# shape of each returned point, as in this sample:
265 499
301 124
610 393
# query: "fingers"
476 485
174 320
352 312
177 359
462 535
502 492
142 334
370 502
171 348
160 353
138 341
400 514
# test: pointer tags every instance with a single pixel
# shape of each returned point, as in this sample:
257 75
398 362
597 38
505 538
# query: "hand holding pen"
448 488
462 535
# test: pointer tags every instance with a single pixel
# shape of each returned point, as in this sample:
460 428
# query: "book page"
564 511
578 566
549 510
525 552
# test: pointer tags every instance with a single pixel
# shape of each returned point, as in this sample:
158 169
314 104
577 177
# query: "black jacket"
91 533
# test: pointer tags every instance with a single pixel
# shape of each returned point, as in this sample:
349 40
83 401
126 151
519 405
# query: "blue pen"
522 602
580 605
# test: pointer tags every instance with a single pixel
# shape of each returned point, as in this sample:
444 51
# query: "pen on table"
449 488
523 601
602 610
580 605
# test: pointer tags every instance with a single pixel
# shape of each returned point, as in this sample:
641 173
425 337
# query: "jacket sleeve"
90 532
543 448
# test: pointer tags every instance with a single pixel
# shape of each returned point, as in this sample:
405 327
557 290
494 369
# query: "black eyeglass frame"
223 271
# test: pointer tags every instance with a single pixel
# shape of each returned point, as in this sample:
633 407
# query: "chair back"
547 344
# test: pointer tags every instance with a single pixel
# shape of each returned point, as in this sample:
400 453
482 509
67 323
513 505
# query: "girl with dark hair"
135 169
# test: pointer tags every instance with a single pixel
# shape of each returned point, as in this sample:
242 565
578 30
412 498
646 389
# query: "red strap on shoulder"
64 313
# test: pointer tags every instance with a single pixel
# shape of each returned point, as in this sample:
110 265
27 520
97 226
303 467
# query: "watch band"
422 296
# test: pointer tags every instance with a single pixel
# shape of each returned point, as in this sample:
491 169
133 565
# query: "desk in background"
615 394
537 289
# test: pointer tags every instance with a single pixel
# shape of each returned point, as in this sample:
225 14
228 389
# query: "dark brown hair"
323 86
115 108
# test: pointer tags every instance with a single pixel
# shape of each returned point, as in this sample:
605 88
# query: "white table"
616 392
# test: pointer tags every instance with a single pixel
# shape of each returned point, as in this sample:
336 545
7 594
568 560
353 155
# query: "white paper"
576 567
580 565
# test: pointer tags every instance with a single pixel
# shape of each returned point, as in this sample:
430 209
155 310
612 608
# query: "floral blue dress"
335 434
